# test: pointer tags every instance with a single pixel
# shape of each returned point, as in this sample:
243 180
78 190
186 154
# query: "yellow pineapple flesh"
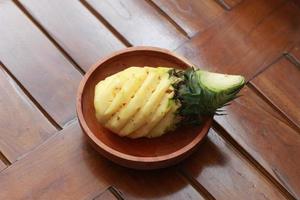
133 102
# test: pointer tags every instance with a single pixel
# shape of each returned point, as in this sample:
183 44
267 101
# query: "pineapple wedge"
149 102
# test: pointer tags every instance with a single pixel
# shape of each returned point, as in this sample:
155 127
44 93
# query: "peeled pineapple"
149 102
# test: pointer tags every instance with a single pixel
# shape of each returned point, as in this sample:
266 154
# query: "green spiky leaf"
203 93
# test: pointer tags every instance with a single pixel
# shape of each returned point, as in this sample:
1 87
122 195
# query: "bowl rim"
108 149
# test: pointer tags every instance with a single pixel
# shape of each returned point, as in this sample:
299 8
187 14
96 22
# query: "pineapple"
149 102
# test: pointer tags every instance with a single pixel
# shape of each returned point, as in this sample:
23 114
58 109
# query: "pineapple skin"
137 102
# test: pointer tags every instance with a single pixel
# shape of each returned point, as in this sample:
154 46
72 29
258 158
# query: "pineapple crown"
196 96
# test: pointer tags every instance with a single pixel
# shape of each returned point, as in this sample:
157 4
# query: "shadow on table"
156 183
207 156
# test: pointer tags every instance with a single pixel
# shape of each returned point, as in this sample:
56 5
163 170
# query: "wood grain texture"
266 136
22 125
66 167
225 174
2 165
37 64
280 84
244 41
295 52
106 195
76 30
229 4
192 15
247 40
139 23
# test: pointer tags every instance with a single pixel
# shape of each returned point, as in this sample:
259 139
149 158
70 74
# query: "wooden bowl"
143 153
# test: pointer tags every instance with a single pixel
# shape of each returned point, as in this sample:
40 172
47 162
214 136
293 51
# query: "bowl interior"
143 147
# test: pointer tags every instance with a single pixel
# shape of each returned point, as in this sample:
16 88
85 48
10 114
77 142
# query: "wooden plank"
192 15
139 22
245 42
232 3
22 125
106 195
2 165
266 136
225 174
229 4
66 167
76 30
295 52
37 64
280 84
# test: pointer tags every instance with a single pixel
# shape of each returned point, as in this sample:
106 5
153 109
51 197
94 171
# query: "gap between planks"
292 59
168 18
70 122
226 6
52 40
114 31
223 4
113 192
284 54
119 195
244 154
265 68
44 113
4 159
31 98
196 185
55 134
290 123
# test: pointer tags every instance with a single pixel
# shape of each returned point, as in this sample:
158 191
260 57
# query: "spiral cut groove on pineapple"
135 101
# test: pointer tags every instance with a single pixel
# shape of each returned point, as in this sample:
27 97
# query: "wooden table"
47 45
